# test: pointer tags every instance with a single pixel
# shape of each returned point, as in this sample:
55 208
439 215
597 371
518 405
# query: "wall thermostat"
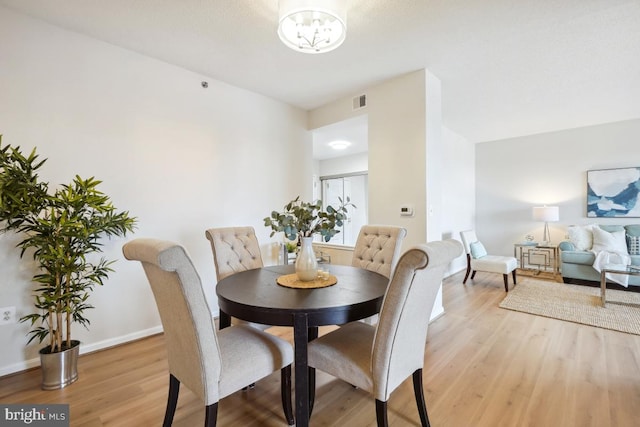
406 210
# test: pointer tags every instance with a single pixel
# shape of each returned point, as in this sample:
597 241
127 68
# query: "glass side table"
630 270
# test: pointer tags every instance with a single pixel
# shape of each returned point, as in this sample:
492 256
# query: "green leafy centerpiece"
299 221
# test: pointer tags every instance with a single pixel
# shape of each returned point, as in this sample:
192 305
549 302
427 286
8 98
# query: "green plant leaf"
304 219
63 229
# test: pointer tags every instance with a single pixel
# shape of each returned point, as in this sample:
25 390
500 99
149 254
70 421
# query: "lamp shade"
312 26
546 213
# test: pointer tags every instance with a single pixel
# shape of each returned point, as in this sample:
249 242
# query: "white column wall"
397 174
458 190
410 161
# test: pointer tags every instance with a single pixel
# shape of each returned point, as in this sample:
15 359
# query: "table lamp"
546 214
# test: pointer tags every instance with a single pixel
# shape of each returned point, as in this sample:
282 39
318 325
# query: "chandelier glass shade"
312 26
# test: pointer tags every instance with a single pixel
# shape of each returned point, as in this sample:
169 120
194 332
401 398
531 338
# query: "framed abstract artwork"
613 193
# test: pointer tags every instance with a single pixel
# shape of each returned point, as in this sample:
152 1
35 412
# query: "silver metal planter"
59 369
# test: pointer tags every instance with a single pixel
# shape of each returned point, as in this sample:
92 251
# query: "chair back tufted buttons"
234 249
378 248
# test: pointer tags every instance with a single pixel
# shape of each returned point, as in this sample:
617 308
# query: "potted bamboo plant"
62 230
300 221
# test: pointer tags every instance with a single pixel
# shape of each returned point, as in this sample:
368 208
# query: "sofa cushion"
609 241
632 229
566 245
633 238
614 241
578 257
611 228
581 236
633 244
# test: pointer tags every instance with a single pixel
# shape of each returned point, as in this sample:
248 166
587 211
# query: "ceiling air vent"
359 102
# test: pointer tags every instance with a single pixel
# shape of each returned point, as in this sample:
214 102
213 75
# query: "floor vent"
359 102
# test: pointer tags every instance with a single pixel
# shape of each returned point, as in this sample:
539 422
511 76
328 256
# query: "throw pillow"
477 250
581 236
633 243
610 242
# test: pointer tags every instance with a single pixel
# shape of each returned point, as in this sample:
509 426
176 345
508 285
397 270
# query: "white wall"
344 165
408 151
406 137
396 159
513 175
433 157
179 157
458 190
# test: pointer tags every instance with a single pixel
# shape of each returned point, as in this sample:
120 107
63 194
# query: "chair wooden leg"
381 414
473 274
285 392
419 392
505 277
211 416
172 401
513 273
468 269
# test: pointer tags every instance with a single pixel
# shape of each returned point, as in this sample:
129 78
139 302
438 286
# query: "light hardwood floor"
484 366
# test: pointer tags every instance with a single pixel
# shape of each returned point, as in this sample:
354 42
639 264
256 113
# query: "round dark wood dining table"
255 296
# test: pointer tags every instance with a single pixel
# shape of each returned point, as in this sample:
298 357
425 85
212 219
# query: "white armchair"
479 260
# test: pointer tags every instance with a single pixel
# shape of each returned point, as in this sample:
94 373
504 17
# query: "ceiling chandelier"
312 26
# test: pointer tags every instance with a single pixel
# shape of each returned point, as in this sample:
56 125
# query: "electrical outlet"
7 315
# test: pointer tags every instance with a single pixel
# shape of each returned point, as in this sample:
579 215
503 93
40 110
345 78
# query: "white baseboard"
100 345
436 314
19 367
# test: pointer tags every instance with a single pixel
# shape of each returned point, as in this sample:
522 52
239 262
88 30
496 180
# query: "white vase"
306 262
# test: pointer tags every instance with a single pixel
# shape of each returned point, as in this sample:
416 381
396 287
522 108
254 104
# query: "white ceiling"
354 130
508 67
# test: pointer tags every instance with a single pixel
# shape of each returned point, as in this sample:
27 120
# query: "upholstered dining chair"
378 248
379 358
235 249
479 260
211 364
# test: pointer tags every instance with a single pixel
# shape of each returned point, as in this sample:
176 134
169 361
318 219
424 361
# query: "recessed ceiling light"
339 144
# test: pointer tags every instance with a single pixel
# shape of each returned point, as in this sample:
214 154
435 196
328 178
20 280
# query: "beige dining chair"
211 364
377 249
479 260
377 359
235 249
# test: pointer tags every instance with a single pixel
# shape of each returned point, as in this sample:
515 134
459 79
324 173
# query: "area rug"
575 303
